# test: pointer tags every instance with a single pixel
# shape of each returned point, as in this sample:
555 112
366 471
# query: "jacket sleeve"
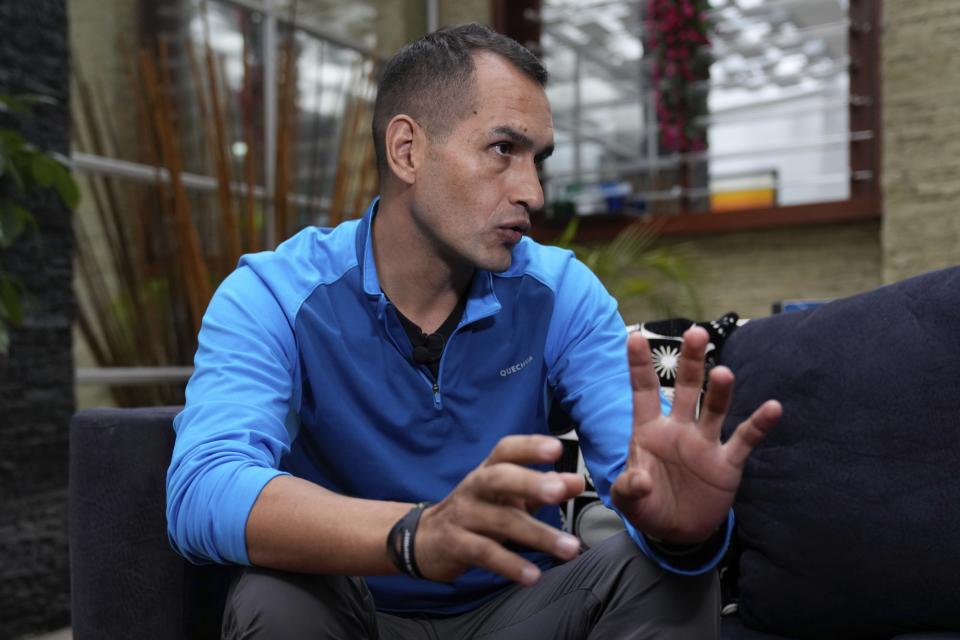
233 429
587 367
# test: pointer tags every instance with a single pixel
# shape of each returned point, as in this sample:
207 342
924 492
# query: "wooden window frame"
865 201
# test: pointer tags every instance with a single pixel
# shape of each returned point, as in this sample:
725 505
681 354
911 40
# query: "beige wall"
921 121
747 272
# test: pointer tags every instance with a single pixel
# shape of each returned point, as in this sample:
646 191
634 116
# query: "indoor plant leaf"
43 169
4 338
66 186
10 300
13 219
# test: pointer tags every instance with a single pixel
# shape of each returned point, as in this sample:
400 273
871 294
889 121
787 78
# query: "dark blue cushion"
849 512
731 628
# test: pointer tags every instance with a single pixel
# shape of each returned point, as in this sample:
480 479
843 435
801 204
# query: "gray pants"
612 591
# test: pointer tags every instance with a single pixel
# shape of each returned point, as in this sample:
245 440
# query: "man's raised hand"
493 504
680 481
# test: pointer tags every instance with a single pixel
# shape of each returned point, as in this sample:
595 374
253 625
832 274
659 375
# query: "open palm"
680 480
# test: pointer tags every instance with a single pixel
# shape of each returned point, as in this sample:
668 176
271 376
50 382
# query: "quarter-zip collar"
482 300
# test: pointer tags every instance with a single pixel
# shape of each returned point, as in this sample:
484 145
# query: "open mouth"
514 232
520 227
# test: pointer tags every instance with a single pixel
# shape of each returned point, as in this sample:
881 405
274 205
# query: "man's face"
479 184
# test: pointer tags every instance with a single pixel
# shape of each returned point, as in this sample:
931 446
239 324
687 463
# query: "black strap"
401 539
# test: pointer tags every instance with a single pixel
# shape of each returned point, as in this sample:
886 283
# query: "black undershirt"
427 348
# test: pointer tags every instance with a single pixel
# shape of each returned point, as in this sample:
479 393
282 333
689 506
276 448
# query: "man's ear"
404 146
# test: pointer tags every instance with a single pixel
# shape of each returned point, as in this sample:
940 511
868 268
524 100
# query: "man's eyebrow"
543 155
523 140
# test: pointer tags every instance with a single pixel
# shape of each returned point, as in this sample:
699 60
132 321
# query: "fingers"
533 449
690 373
491 506
716 403
643 380
495 483
499 524
751 431
575 485
480 551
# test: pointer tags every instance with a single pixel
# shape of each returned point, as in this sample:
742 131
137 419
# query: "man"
356 373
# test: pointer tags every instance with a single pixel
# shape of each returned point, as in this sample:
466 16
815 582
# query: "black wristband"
690 556
400 541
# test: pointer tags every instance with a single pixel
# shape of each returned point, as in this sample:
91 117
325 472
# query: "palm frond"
635 265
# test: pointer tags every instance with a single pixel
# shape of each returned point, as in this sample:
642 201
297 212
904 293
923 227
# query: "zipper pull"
436 394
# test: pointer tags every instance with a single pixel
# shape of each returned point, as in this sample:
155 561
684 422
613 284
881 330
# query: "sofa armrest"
126 581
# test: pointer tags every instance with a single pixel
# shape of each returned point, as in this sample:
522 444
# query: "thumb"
632 484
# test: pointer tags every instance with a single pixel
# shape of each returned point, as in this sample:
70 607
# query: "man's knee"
671 605
275 604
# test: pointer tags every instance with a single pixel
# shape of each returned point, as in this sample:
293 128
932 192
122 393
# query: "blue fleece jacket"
303 368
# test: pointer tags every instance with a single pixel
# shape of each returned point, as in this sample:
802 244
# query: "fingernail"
552 488
529 575
549 448
567 545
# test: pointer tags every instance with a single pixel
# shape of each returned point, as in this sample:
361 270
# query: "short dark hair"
431 80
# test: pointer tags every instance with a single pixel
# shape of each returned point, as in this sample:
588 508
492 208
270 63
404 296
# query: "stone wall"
921 124
36 378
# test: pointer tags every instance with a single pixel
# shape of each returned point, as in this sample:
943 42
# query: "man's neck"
416 278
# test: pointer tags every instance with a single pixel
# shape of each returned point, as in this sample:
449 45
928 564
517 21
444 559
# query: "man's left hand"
680 480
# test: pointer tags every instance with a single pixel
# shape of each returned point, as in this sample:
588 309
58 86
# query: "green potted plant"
25 170
635 266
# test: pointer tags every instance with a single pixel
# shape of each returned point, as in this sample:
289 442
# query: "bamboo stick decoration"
315 173
151 313
292 127
355 157
250 171
196 278
286 109
362 159
184 223
136 238
149 319
112 346
367 169
206 125
344 101
227 216
229 117
158 308
123 249
340 181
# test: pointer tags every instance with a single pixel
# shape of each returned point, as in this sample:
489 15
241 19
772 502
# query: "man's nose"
527 190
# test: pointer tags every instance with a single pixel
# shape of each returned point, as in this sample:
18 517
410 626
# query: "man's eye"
503 148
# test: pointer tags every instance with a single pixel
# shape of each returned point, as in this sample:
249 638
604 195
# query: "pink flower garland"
676 34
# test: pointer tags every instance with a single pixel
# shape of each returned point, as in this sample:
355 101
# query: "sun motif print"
665 360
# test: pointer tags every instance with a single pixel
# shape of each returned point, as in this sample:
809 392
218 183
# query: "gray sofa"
848 516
